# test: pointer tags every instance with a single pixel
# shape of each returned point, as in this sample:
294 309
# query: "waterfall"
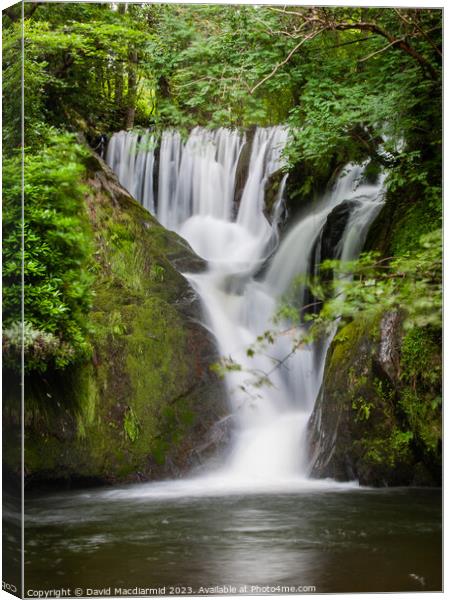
196 188
132 158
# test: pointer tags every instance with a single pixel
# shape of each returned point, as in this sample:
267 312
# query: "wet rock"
241 174
272 188
388 355
333 230
216 441
362 426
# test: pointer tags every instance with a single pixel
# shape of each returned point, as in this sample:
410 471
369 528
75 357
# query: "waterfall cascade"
195 197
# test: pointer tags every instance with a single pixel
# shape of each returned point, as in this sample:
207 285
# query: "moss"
380 423
386 444
133 410
409 212
421 356
362 408
348 337
159 451
421 378
131 425
417 220
390 452
88 399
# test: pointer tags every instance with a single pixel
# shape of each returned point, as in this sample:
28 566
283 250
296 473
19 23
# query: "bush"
56 253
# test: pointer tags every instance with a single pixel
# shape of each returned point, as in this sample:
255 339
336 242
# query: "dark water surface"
339 541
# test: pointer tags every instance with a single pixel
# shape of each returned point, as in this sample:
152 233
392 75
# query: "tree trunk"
119 71
118 85
132 90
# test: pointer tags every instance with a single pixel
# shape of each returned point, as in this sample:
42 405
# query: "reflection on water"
338 540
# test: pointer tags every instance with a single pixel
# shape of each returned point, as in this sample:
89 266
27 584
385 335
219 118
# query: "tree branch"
379 51
419 28
363 39
314 18
399 42
286 59
15 12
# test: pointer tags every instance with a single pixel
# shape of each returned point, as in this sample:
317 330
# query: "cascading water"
132 158
196 188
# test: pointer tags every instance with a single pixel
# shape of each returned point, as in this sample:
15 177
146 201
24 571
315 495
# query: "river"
338 539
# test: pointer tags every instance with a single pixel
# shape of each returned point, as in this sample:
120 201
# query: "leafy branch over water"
370 286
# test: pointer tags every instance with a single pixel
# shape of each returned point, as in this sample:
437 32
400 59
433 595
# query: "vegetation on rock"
146 399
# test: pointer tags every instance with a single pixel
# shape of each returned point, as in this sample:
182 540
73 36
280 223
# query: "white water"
196 182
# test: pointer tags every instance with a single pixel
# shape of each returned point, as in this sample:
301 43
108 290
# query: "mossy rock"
372 422
147 399
406 215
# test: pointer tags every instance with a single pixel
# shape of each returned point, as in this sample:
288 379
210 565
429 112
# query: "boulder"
373 421
147 399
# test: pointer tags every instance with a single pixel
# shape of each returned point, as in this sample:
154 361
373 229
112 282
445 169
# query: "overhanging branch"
288 57
320 22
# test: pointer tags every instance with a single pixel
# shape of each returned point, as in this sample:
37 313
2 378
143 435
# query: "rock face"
272 188
333 230
147 399
241 175
374 421
326 247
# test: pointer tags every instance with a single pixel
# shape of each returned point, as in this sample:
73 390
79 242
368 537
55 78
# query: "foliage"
356 90
131 425
39 346
419 347
327 72
86 67
208 57
157 273
57 254
390 451
421 374
410 283
35 78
